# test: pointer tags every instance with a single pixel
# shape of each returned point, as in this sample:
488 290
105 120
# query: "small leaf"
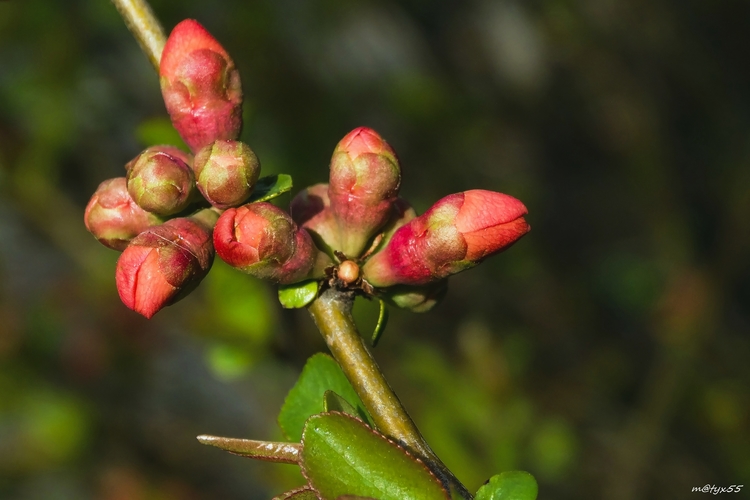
341 456
303 493
511 485
382 322
320 374
334 402
270 187
285 453
298 294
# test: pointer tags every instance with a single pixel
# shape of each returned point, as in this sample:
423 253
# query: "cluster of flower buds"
162 214
173 210
404 259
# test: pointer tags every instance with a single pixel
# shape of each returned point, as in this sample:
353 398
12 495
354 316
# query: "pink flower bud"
201 86
456 233
416 298
311 209
160 180
113 217
226 173
264 241
364 182
164 263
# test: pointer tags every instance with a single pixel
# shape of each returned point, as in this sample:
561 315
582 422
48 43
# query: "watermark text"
715 490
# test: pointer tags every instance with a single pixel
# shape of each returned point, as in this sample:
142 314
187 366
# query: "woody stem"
145 27
332 314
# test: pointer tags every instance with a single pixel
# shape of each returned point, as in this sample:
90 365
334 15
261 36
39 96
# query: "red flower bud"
401 214
164 263
456 233
364 182
201 86
264 241
416 298
113 217
226 173
160 180
311 209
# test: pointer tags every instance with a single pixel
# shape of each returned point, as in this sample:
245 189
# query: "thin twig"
145 27
332 314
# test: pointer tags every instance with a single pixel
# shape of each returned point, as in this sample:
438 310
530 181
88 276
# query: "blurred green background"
606 353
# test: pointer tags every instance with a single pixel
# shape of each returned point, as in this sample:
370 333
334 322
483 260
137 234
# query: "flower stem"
332 314
145 27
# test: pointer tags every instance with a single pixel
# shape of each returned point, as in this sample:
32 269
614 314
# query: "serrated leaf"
270 187
320 374
298 294
341 456
382 322
511 485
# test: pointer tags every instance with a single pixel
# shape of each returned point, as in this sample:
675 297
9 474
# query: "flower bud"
160 180
416 298
201 86
226 173
113 217
263 241
401 213
364 182
456 233
311 209
164 263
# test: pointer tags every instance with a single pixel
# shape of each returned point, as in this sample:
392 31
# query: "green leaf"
512 485
341 456
320 374
382 322
298 294
334 402
270 187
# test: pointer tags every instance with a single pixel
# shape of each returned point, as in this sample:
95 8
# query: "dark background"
606 352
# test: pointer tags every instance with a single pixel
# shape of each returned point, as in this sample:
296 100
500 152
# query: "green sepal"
271 186
298 295
382 322
511 485
320 374
341 456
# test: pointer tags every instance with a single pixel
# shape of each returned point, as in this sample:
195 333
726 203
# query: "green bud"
161 181
226 173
